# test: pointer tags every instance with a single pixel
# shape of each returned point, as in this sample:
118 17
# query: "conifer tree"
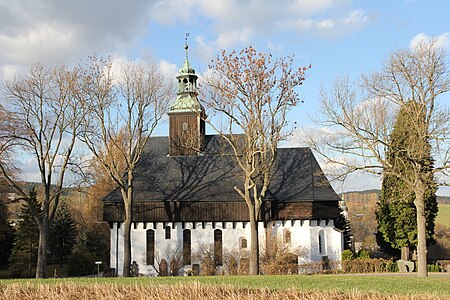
6 236
24 253
396 214
63 233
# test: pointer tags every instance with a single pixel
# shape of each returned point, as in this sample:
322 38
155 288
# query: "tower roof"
186 69
186 103
187 88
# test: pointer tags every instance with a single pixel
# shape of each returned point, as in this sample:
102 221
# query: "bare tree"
124 113
7 145
252 93
361 121
43 121
169 262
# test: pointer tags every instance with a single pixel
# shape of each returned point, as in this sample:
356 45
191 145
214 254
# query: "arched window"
322 245
243 243
218 247
186 247
167 229
287 236
150 247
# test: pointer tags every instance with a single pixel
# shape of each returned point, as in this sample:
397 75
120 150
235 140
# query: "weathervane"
186 35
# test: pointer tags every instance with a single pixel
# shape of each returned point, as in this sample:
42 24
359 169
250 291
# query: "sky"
335 37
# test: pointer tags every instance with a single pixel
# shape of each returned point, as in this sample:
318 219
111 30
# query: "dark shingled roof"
212 176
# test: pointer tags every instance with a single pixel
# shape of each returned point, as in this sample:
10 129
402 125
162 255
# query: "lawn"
443 216
234 287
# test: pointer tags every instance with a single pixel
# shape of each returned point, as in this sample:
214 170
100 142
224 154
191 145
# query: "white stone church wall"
304 240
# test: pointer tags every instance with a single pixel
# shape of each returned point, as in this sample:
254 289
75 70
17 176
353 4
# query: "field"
398 287
443 216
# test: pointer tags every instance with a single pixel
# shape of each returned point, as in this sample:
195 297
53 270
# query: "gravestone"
405 266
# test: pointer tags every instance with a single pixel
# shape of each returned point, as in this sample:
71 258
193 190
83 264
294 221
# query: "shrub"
205 257
81 262
368 265
435 268
235 262
363 254
347 255
278 257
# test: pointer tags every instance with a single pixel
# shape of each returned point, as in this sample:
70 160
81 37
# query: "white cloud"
9 71
53 32
205 50
170 12
29 168
336 26
358 181
272 46
236 22
167 68
442 40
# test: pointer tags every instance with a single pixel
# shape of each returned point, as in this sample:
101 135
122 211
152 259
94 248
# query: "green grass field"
443 216
399 285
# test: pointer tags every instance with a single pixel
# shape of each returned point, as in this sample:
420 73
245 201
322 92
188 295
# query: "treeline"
77 238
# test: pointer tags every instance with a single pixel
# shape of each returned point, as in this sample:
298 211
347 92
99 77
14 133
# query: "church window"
321 241
186 247
218 247
287 237
243 243
185 126
167 229
150 247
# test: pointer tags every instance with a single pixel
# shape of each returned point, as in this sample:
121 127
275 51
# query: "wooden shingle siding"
214 211
292 210
176 133
179 211
305 210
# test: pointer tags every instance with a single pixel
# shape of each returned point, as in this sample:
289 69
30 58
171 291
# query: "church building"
185 202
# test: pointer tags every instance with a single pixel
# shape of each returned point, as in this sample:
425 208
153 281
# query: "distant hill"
365 202
373 195
443 199
12 200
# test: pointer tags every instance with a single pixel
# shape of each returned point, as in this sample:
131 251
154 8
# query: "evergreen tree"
6 236
396 214
97 242
92 246
24 253
63 235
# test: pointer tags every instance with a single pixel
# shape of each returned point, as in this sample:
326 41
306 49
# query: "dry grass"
191 290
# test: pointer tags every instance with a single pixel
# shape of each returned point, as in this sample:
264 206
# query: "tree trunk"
405 253
30 259
42 248
127 233
254 242
421 230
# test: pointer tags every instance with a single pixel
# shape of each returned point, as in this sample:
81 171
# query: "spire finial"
186 47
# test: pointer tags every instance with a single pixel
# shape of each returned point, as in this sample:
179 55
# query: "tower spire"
186 47
186 114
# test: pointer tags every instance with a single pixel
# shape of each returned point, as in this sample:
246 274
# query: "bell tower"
186 114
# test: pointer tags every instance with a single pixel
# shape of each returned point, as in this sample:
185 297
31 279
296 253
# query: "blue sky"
337 37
